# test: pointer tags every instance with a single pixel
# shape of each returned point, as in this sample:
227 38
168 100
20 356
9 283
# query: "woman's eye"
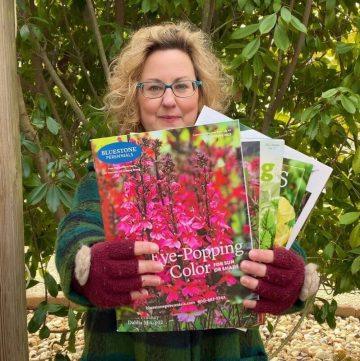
181 86
155 88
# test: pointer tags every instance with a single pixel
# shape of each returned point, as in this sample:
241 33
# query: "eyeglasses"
181 89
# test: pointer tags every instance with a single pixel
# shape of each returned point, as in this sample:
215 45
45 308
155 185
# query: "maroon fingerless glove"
113 274
282 283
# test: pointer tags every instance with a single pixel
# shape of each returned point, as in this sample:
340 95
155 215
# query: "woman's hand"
277 276
115 276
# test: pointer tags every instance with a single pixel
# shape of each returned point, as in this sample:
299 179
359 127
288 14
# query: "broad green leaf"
267 23
330 5
52 125
247 76
53 198
349 218
251 49
30 146
54 308
269 62
347 104
24 32
146 6
42 102
281 39
51 284
356 161
277 5
26 166
44 332
355 266
37 194
329 93
329 250
343 48
242 3
72 320
354 239
65 198
38 318
244 31
297 24
286 14
258 64
38 122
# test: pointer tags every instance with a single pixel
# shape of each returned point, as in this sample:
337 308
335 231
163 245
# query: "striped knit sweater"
83 225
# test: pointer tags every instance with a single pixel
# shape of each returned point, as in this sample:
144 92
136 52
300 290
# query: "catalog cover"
294 179
184 189
262 164
271 162
317 181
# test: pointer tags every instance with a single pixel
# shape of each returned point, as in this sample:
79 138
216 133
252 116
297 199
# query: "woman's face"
168 111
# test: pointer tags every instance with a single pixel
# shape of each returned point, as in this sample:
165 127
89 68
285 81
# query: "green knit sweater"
83 225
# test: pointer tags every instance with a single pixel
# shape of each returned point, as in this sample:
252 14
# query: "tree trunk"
13 335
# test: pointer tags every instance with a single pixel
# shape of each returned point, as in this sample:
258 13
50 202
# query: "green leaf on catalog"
354 239
51 284
281 38
251 49
356 161
244 31
285 14
347 104
37 194
267 23
297 24
349 218
52 125
355 266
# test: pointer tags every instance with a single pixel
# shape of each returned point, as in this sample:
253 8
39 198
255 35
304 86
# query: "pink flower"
188 313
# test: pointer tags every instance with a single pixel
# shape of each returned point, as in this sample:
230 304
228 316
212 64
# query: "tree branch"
79 57
207 15
98 39
120 12
41 157
269 116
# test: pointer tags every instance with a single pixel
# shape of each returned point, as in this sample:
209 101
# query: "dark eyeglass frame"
195 83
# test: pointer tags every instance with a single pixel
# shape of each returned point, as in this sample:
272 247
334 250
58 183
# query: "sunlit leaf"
349 217
285 14
297 24
244 31
354 239
267 23
251 49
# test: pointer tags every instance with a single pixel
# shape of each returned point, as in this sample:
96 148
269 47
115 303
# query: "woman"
161 80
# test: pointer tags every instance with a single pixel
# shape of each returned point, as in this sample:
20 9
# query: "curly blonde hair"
121 100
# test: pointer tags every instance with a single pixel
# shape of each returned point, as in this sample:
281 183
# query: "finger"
253 268
249 282
150 266
262 255
145 248
138 295
251 304
151 280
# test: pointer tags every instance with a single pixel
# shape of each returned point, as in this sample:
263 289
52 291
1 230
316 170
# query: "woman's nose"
168 98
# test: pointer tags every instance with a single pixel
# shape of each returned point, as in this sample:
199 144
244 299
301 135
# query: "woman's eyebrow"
160 81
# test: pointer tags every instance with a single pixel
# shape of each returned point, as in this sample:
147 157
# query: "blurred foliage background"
296 70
